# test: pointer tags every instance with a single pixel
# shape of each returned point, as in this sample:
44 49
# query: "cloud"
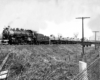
95 23
48 15
66 29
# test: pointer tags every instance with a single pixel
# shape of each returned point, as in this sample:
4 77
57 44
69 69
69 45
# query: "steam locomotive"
21 36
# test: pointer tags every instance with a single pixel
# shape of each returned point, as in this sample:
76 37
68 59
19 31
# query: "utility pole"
82 34
95 37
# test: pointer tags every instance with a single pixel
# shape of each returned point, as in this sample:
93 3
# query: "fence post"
82 67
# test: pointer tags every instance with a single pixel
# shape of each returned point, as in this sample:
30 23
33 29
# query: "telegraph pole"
82 34
95 37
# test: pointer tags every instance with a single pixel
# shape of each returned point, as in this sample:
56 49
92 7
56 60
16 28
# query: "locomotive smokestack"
8 26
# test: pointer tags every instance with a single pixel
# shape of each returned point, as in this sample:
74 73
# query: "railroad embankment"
42 62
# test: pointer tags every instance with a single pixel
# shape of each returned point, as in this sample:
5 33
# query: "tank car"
18 36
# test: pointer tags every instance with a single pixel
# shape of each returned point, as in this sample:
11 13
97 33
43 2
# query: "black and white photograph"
49 39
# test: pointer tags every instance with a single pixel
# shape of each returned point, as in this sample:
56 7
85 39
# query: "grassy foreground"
42 62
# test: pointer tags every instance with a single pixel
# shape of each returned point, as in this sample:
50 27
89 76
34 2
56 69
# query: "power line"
82 34
95 37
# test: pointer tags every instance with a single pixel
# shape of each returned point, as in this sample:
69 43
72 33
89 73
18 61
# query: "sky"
57 17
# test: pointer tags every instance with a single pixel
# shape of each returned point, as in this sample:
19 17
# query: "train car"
41 39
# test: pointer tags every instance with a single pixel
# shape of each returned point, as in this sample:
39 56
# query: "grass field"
43 62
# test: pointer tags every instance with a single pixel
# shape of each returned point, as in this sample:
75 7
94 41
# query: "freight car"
41 39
